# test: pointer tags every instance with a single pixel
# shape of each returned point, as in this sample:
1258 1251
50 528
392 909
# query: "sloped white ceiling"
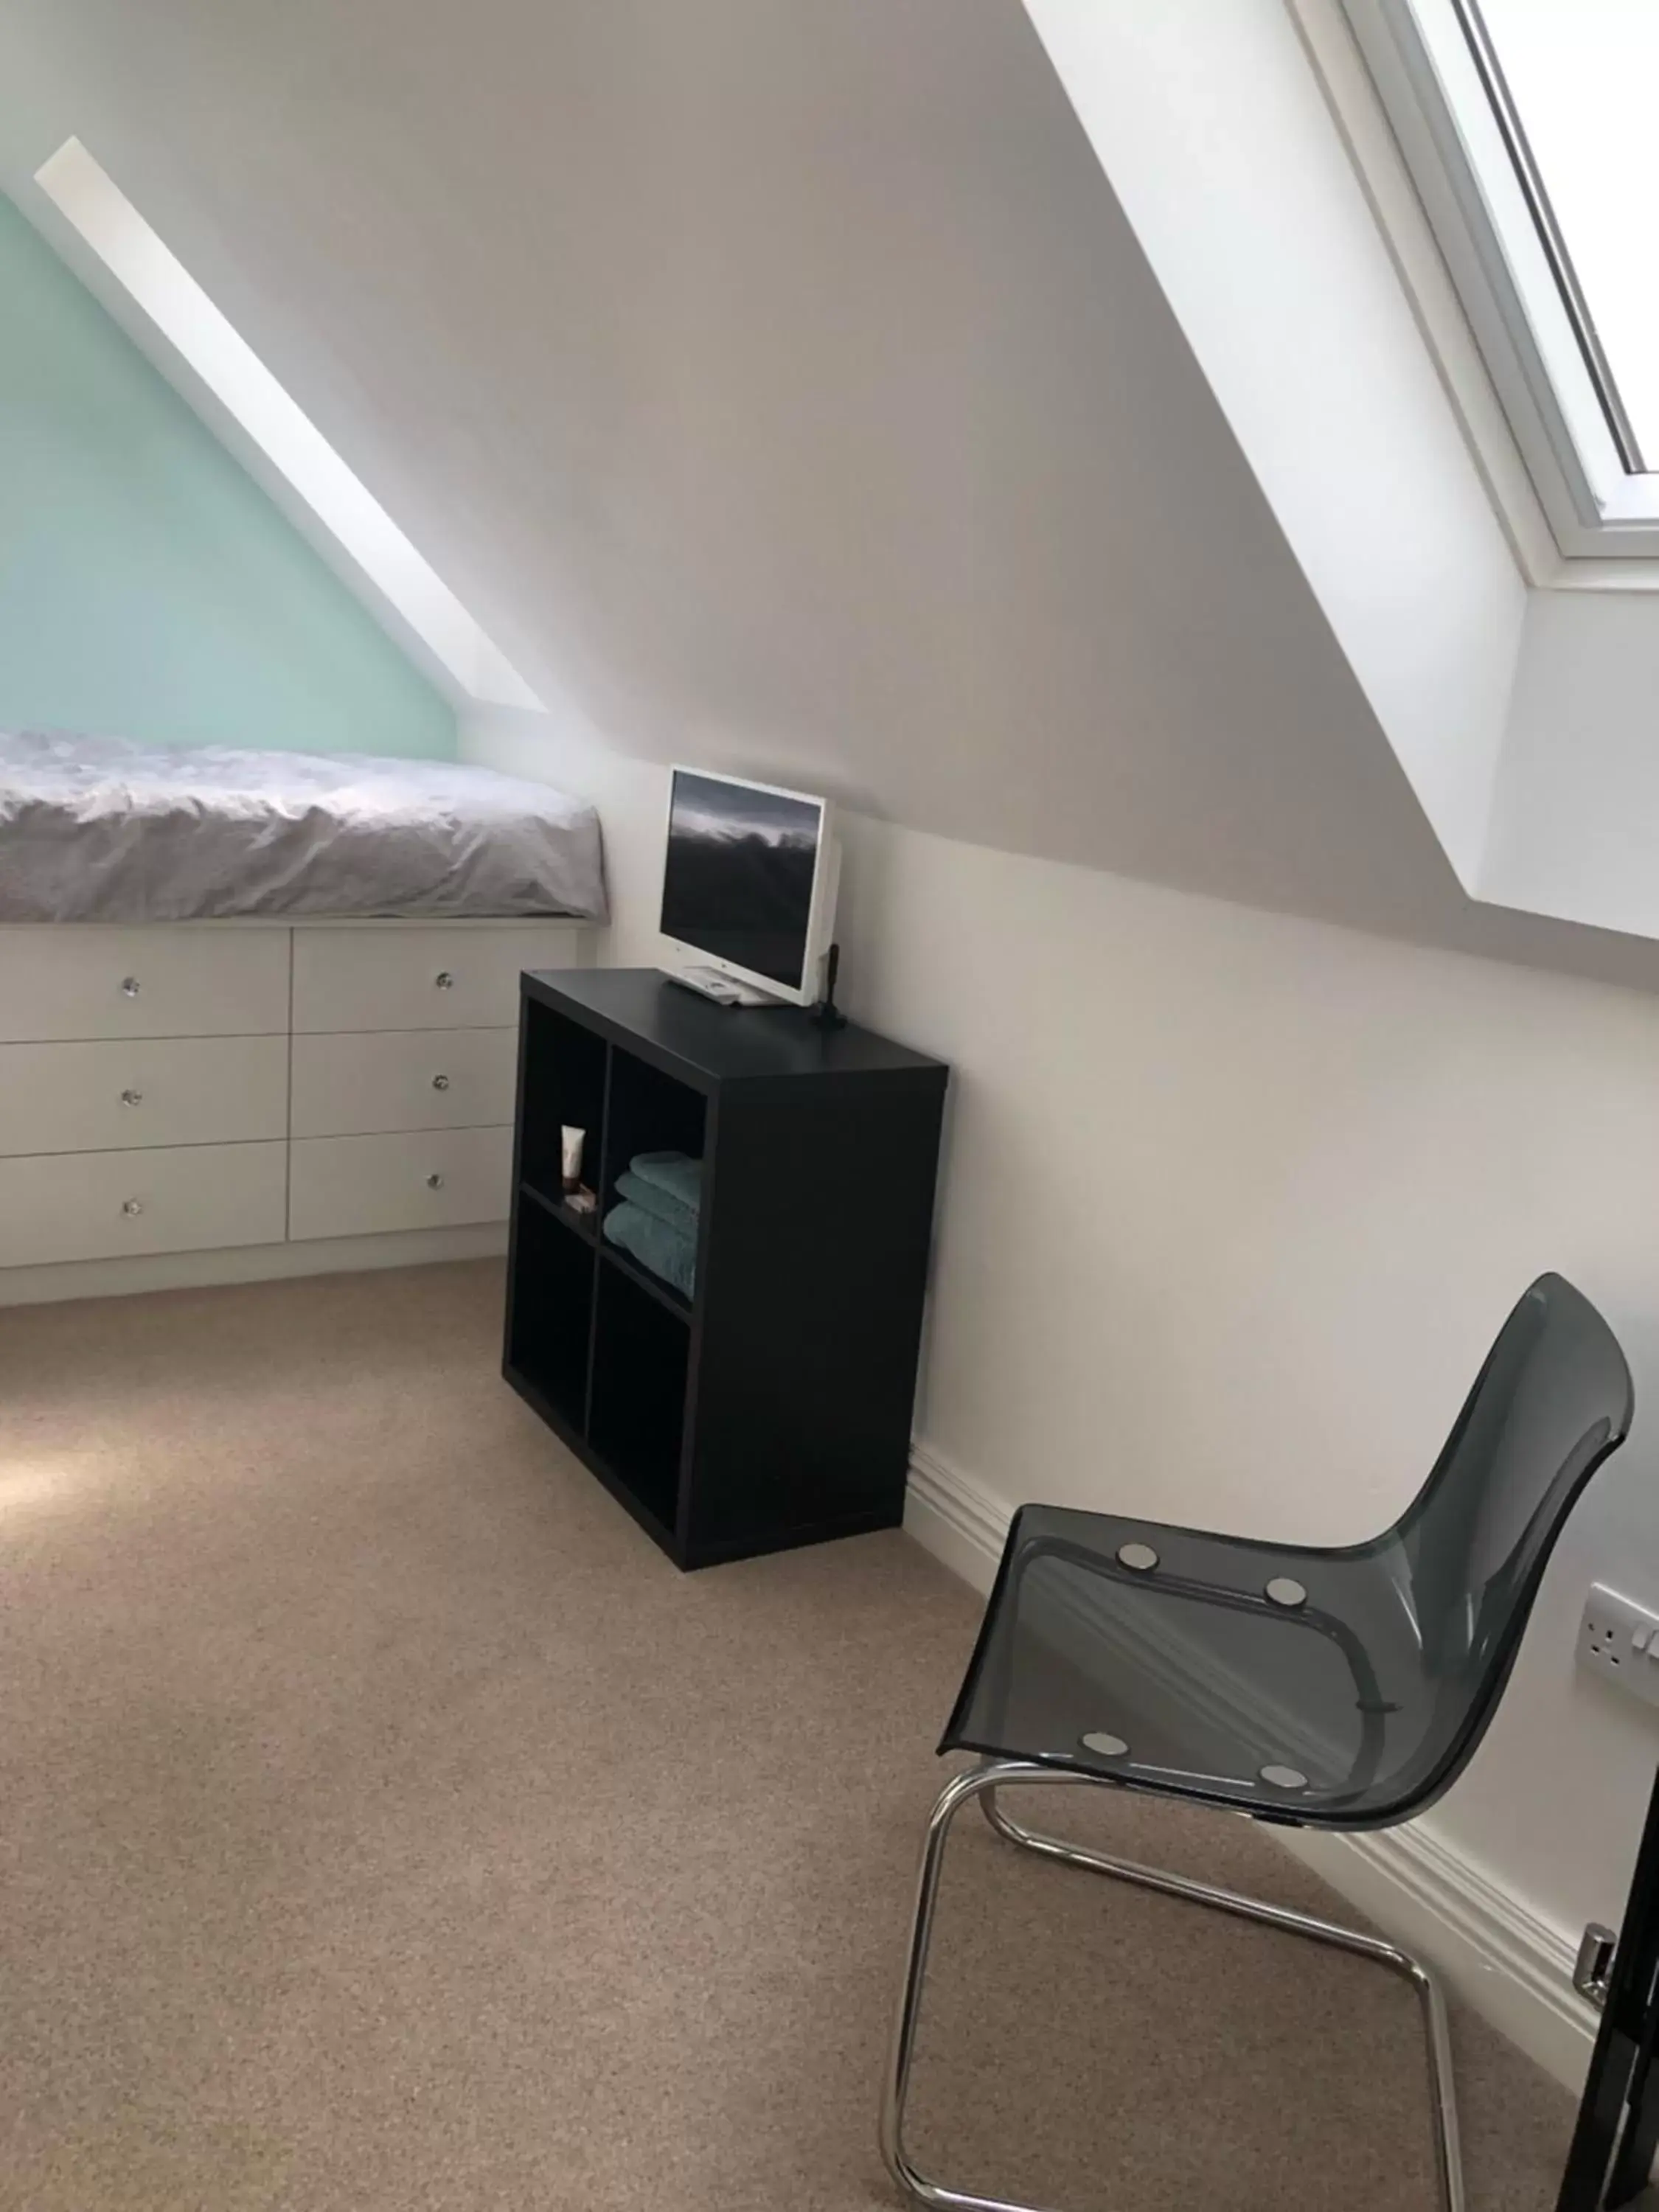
781 385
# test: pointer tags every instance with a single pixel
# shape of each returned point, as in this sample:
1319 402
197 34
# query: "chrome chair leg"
896 2089
983 1783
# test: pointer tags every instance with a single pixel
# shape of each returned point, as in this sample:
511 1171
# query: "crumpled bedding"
102 829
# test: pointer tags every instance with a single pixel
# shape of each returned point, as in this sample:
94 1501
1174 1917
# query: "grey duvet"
100 829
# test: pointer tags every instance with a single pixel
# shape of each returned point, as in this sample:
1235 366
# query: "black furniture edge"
1616 2136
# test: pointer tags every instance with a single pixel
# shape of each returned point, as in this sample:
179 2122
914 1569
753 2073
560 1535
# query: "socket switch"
1618 1640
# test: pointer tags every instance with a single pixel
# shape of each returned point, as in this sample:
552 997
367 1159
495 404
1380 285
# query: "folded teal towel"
650 1198
671 1172
665 1251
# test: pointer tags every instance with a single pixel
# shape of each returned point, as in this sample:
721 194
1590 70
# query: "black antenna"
826 1015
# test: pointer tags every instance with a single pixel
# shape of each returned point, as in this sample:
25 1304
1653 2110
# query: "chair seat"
1295 1684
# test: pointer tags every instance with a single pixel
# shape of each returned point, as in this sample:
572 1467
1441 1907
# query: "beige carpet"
384 1823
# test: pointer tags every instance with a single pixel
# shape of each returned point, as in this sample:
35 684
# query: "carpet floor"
385 1825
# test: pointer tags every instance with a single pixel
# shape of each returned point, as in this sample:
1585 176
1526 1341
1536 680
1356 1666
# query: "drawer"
174 1091
421 978
103 1206
363 1186
403 1080
67 980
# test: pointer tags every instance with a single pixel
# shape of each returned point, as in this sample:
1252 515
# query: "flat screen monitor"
749 880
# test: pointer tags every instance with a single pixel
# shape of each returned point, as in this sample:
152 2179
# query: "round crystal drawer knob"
132 1206
435 1182
129 987
440 1083
132 1097
444 979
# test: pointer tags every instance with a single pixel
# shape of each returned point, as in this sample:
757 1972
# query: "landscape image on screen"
739 879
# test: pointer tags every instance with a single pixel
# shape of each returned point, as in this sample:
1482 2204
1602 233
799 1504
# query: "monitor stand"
724 990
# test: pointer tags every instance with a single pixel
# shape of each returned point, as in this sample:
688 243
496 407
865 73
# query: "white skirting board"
1503 1962
252 1263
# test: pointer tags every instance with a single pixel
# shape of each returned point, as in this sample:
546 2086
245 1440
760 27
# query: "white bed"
99 829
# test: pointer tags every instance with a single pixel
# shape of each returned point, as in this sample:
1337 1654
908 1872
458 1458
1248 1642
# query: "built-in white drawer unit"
104 1206
366 1185
416 977
215 1086
103 1097
389 1080
64 980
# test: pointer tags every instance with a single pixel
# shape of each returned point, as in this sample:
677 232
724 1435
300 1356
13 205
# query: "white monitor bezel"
821 914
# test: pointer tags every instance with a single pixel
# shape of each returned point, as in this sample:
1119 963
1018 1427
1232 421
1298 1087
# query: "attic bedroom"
827 1033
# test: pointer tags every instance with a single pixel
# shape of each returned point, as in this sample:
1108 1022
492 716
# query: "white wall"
787 378
793 383
1573 830
1523 720
1232 1206
1235 180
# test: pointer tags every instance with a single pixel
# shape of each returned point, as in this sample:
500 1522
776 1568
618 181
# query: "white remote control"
709 983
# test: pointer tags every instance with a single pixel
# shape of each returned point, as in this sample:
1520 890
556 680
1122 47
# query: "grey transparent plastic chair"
1339 1688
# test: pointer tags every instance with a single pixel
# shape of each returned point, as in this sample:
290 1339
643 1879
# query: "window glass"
1582 77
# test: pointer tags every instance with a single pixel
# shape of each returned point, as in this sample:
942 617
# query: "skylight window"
1525 125
159 284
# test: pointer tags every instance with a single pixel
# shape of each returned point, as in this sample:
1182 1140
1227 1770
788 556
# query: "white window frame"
1566 427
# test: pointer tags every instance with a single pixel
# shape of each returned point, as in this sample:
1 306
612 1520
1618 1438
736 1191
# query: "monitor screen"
739 879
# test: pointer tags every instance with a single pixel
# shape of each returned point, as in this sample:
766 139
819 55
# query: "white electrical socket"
1619 1639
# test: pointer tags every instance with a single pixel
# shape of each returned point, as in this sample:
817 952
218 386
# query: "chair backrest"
1554 1399
1368 1672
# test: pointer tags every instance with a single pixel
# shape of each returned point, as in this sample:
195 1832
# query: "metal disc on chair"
1285 1778
1102 1745
1139 1556
1282 1590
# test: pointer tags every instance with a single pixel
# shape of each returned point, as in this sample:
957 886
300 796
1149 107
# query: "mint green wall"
148 588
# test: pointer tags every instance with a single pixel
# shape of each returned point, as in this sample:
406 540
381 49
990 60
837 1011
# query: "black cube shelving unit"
773 1407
